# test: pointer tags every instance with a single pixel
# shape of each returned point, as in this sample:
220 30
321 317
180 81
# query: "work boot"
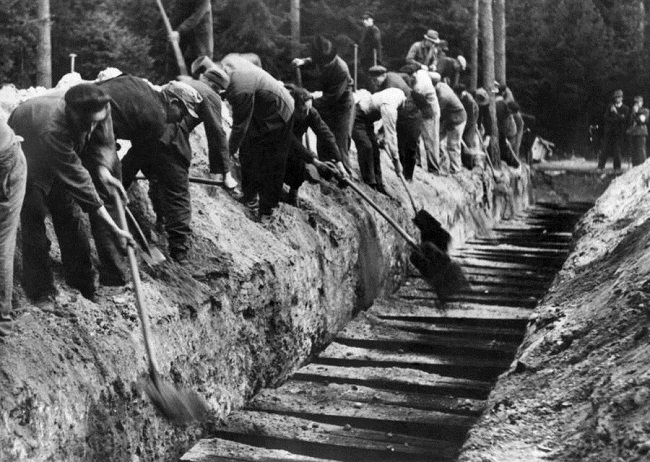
252 203
292 197
381 189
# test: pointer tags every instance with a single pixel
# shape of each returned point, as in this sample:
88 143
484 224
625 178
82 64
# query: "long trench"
406 380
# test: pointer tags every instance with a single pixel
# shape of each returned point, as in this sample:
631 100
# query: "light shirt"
386 102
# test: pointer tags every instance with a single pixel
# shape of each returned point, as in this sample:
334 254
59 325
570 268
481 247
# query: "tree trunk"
295 28
488 76
44 47
473 84
500 40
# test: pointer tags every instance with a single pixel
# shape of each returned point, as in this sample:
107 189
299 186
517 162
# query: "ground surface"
579 389
254 303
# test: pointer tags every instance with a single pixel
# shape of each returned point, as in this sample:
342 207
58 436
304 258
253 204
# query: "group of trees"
563 56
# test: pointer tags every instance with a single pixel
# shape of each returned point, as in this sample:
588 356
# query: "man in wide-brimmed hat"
424 52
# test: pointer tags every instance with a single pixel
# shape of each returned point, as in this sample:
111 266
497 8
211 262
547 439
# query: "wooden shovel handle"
175 46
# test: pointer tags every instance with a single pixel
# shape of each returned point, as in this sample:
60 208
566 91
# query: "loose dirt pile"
255 301
580 388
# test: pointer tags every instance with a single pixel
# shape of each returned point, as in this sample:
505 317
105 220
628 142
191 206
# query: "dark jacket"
209 112
54 148
260 103
139 112
335 82
451 109
370 41
616 121
639 127
422 53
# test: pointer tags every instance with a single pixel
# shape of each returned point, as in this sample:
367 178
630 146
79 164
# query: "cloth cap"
444 45
185 93
322 50
462 61
108 73
216 77
638 98
367 15
200 65
432 36
482 97
618 94
377 70
86 97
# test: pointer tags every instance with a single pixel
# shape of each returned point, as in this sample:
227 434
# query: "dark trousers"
263 163
294 174
363 134
638 148
612 144
71 233
339 119
408 134
13 174
168 172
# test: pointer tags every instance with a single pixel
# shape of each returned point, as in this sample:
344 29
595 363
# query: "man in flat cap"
424 53
262 111
409 117
67 139
615 118
370 49
149 119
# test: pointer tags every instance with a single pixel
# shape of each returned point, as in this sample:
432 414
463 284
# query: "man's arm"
324 135
243 105
210 114
389 121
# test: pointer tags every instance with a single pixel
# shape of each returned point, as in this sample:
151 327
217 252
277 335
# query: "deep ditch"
254 304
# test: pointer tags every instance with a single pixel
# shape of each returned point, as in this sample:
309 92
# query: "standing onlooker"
13 175
369 47
615 118
425 52
192 24
638 131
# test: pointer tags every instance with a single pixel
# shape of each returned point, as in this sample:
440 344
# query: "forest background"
564 57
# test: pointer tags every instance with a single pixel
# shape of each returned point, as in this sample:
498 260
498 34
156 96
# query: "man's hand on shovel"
111 183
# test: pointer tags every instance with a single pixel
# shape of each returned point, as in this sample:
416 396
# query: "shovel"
152 255
436 268
177 406
430 229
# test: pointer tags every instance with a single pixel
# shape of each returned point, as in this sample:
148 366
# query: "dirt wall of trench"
255 301
579 388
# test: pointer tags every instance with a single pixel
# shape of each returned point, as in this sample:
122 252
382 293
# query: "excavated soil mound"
579 389
254 303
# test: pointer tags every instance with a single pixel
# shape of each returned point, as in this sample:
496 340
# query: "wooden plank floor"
406 380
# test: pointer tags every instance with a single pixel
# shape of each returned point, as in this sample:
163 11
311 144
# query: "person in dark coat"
615 119
638 131
306 117
150 119
336 105
192 24
262 111
66 140
370 49
409 120
13 176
